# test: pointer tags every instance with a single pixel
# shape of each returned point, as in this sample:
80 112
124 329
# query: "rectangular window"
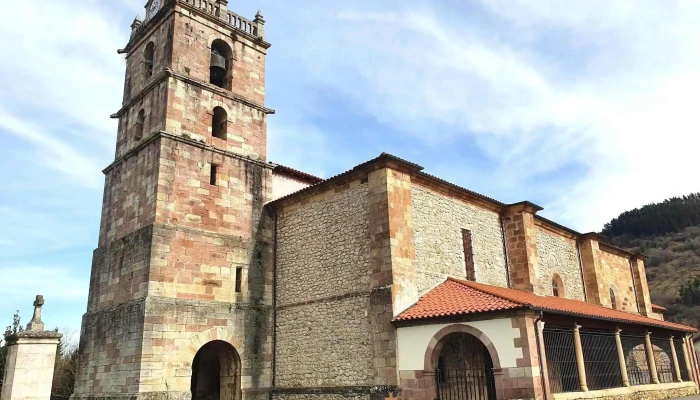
468 254
239 279
212 175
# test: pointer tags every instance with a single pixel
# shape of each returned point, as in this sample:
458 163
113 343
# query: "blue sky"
586 107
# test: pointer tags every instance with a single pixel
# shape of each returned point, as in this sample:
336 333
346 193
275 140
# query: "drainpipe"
580 268
274 303
539 354
505 251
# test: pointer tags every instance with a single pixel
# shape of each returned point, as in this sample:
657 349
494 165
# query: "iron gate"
465 370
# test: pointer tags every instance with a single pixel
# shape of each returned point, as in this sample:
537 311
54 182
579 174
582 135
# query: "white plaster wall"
29 371
413 342
283 185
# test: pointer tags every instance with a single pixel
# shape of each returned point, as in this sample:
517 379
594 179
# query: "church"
220 275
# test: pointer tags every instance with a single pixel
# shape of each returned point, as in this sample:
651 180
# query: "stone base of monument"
30 361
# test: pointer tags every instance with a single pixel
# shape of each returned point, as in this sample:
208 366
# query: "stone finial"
135 25
137 22
35 325
259 25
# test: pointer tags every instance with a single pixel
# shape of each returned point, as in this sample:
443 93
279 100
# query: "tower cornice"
167 135
168 73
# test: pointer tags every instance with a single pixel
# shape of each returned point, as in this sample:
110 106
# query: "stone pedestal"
29 367
30 360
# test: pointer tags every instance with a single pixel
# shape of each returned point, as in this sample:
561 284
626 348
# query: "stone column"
579 359
676 367
686 359
650 358
30 360
621 358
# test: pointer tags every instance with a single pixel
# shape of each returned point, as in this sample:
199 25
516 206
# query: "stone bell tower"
180 302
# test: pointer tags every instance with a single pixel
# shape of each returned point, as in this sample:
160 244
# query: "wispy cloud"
587 107
603 89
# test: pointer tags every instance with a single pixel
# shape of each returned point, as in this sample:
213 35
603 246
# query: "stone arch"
216 372
221 63
219 123
558 282
220 333
432 353
148 59
614 297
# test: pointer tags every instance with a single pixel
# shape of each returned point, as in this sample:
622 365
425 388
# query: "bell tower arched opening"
220 64
216 372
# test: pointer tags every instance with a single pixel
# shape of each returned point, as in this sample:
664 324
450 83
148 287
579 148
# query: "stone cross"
35 325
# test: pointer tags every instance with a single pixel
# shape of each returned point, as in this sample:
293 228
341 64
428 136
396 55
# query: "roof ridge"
476 286
484 288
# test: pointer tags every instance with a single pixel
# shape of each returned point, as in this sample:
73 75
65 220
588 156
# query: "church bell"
217 66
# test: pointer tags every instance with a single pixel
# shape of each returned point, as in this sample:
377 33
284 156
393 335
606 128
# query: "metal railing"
636 359
461 384
664 360
231 18
601 360
561 360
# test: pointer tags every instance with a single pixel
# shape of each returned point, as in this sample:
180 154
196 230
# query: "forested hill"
669 234
672 215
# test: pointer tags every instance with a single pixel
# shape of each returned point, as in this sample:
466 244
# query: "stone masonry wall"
120 270
192 47
175 329
143 91
215 229
326 241
130 194
190 110
615 270
438 223
110 350
324 344
152 102
558 254
323 298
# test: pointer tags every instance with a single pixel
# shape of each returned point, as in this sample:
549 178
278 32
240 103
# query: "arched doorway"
216 372
464 369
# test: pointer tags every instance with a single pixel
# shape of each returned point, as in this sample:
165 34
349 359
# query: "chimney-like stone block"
639 276
590 260
521 244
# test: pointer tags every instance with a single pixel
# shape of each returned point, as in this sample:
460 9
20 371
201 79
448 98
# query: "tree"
690 292
10 330
65 368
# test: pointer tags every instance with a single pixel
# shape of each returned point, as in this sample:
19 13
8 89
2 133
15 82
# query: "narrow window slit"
239 279
212 175
468 254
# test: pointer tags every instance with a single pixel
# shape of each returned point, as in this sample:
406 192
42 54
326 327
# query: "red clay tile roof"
658 307
458 297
